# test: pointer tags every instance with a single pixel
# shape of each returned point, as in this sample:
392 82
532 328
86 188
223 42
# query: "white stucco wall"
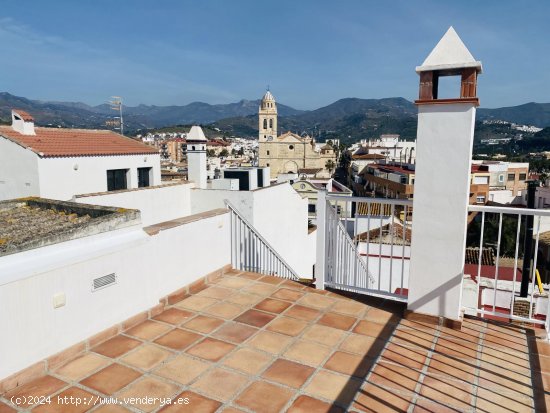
157 204
147 268
18 171
60 180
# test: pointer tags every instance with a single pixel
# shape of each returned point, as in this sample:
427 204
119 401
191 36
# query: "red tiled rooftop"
250 343
24 115
58 142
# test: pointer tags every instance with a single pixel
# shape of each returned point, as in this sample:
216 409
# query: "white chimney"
196 156
22 122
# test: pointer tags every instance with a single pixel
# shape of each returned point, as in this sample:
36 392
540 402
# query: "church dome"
268 97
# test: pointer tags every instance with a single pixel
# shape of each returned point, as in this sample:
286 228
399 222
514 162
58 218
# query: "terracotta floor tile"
264 397
490 401
111 379
178 339
306 352
502 380
233 282
111 408
542 348
148 387
248 360
303 313
316 301
288 373
272 306
197 403
450 392
232 410
363 345
350 364
410 337
349 307
255 318
410 357
287 294
148 330
116 346
4 408
286 325
203 324
62 403
217 292
41 387
82 366
146 357
182 369
403 379
271 342
506 361
382 316
306 404
372 329
441 365
235 332
260 289
323 334
196 303
374 399
174 316
270 279
250 275
332 386
426 406
504 352
226 311
243 299
456 348
220 384
210 349
339 321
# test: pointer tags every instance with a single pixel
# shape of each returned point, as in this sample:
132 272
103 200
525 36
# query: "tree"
210 153
330 165
224 153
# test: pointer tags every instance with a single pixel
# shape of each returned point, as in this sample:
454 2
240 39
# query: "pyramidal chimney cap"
450 53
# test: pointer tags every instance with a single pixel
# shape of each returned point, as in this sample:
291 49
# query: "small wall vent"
103 282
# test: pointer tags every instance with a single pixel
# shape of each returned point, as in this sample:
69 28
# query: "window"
265 123
501 178
116 179
311 208
144 175
270 123
480 199
522 177
291 147
267 153
266 164
511 177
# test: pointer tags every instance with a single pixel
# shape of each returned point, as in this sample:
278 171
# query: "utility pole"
116 104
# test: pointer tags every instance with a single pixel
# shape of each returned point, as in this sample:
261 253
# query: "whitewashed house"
59 163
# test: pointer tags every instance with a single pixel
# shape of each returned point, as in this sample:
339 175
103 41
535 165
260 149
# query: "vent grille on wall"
102 282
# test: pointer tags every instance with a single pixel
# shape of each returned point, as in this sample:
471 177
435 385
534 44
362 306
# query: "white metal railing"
368 245
494 287
251 252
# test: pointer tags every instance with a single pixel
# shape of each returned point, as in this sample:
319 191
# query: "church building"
289 152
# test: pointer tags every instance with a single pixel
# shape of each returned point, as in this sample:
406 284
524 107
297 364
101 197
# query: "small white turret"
22 122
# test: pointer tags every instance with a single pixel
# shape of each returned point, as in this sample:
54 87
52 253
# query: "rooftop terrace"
251 343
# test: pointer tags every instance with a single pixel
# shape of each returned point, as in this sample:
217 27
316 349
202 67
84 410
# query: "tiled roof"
56 142
26 116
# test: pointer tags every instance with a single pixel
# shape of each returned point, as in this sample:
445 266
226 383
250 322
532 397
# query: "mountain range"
348 118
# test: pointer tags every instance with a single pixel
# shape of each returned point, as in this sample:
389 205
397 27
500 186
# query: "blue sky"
311 53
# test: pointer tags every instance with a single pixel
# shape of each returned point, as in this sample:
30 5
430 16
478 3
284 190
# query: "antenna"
116 104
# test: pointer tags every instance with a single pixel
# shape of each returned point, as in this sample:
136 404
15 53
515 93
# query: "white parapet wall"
156 203
148 266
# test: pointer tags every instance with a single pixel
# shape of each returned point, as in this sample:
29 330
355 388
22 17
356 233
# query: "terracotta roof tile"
57 142
26 116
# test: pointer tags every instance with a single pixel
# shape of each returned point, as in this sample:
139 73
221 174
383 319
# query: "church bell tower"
267 115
